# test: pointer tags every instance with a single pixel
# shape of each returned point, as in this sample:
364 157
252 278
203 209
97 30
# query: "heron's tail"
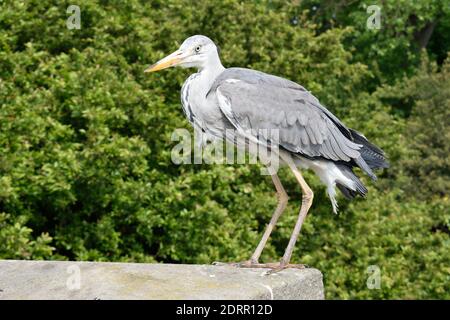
372 157
355 188
334 174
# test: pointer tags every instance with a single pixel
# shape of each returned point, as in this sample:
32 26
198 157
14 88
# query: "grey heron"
215 99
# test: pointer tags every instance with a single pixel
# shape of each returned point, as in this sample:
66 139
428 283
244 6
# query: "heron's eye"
197 49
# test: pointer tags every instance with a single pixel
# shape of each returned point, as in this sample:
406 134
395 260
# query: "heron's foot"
273 266
242 264
277 267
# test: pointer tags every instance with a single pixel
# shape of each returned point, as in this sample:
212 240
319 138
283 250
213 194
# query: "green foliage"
425 100
85 166
17 241
393 50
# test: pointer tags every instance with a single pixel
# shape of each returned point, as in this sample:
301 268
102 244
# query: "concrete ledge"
100 280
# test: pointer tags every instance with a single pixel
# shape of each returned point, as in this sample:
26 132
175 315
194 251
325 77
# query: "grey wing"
258 102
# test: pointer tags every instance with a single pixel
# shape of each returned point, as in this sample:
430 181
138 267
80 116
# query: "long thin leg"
307 199
281 206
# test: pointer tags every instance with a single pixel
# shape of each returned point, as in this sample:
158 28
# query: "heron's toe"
232 264
247 264
281 266
242 264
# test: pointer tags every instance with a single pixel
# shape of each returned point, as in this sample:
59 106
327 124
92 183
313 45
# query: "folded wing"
257 103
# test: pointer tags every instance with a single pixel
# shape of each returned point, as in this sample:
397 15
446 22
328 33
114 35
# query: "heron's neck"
210 71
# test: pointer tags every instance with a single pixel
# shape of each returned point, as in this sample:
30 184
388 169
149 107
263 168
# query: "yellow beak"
169 61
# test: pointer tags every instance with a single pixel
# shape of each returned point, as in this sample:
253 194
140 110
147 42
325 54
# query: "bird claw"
282 266
242 264
218 263
273 266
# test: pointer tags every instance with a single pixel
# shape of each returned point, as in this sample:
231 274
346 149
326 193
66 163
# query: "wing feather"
254 100
311 134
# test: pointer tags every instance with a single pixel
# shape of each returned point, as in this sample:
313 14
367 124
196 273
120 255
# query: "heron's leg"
281 206
307 199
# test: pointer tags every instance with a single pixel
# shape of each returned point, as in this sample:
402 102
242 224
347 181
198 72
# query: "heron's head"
195 52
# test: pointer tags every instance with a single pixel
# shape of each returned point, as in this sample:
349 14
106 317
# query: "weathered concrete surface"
99 280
